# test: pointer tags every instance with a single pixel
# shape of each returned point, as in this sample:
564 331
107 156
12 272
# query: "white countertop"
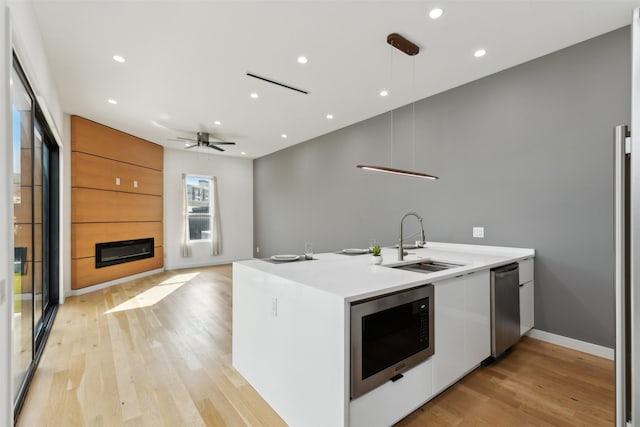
353 277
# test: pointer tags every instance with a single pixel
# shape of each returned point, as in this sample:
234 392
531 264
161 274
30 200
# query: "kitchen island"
291 329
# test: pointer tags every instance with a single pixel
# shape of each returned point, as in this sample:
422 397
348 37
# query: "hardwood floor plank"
156 352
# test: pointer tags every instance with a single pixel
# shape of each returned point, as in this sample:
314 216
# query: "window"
35 196
199 207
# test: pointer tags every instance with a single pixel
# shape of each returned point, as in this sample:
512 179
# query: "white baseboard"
199 265
76 292
586 347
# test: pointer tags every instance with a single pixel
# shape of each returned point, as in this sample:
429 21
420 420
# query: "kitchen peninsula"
292 339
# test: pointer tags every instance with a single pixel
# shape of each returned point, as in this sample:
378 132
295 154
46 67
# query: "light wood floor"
157 352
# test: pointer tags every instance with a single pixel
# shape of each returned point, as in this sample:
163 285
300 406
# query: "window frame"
210 200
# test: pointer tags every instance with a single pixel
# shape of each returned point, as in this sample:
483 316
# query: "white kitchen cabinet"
526 296
478 321
463 329
526 307
525 267
392 401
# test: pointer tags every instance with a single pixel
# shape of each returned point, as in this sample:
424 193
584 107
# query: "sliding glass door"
22 123
35 228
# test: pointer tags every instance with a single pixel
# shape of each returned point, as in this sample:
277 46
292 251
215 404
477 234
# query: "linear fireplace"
111 253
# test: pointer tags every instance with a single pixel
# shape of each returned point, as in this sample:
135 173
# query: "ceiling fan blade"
191 146
215 148
222 143
186 139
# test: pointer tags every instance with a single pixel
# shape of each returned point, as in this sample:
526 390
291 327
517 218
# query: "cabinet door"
525 268
449 357
477 335
526 307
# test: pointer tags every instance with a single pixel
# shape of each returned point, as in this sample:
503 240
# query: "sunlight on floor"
154 295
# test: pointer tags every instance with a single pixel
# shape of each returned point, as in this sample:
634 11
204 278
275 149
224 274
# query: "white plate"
355 251
285 257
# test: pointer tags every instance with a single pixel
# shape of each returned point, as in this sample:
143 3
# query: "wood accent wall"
103 210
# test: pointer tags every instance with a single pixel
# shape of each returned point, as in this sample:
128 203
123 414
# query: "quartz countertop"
353 277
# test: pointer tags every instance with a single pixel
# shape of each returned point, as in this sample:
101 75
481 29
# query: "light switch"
117 181
135 184
478 232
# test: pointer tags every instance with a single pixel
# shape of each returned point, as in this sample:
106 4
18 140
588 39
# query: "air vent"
264 79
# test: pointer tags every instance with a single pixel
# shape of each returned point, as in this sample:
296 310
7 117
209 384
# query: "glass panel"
38 246
22 326
199 208
46 227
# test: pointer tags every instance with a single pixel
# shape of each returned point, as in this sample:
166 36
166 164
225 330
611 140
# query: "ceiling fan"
203 140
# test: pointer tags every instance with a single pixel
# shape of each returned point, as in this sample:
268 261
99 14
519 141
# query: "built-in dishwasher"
505 308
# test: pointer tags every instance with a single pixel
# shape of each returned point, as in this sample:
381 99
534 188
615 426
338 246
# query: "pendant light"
404 45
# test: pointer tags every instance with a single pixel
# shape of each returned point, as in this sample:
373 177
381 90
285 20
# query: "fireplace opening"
111 253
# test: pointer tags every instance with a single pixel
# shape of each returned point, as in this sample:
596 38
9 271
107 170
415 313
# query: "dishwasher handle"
506 270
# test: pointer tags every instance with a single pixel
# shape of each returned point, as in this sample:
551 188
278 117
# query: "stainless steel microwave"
389 335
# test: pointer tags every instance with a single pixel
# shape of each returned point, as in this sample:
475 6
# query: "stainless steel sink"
427 266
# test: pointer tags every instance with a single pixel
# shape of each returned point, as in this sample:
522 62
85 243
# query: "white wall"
65 208
235 195
27 41
19 31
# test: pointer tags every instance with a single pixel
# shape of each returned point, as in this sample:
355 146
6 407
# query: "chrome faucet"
423 237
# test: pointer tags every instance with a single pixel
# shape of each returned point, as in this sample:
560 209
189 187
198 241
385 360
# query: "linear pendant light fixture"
404 45
395 171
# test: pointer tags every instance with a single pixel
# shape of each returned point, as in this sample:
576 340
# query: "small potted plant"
376 258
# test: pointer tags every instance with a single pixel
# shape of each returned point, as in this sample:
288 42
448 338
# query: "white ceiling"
186 60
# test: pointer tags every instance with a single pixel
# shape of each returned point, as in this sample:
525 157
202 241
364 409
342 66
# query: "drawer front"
392 401
526 270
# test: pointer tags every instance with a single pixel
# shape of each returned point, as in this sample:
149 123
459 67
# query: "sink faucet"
423 237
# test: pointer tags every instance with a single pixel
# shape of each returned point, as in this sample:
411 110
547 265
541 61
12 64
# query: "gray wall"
526 153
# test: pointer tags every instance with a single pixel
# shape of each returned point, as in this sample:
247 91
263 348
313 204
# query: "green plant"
376 250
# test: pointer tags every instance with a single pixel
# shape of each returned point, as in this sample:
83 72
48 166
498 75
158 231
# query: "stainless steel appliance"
389 335
505 308
627 248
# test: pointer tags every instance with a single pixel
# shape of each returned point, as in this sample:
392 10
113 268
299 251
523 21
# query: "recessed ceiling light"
284 136
112 101
384 93
254 95
118 58
217 123
480 53
436 13
243 153
302 59
329 116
